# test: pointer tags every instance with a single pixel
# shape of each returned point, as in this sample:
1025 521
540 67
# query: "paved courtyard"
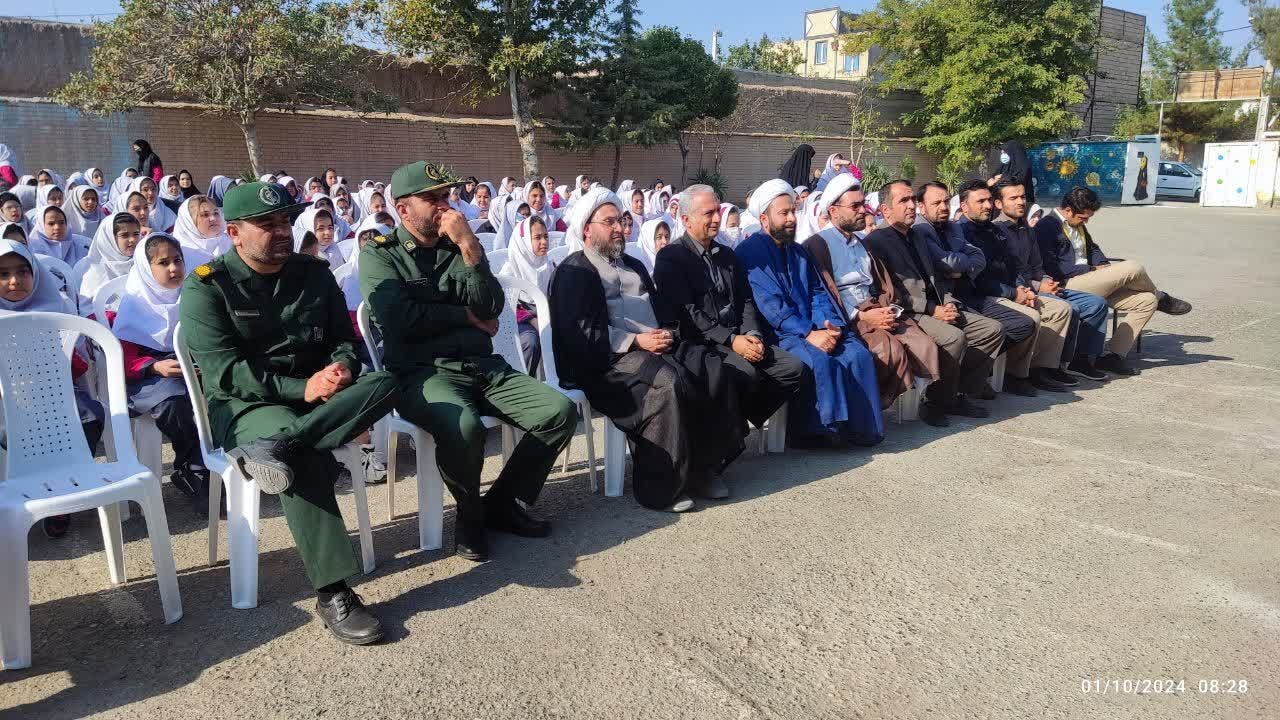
1123 532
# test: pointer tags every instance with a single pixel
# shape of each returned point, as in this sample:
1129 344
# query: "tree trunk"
617 166
249 126
522 114
684 160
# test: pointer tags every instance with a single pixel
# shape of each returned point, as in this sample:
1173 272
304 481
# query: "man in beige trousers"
1072 258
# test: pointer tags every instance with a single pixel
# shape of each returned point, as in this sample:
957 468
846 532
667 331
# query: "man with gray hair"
704 286
615 340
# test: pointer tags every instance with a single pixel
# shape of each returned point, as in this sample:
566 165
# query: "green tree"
986 73
238 57
645 92
514 45
1265 19
765 55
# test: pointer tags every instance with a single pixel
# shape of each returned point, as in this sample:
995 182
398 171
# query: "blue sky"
737 19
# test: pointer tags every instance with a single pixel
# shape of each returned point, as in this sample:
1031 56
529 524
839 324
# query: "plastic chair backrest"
475 224
367 330
195 391
555 238
108 298
348 246
633 249
558 253
487 240
41 418
63 271
507 342
497 260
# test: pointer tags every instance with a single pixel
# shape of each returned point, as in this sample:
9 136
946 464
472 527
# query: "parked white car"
1179 180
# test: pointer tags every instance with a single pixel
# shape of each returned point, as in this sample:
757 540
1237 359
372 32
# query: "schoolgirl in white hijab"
106 261
147 317
100 185
361 201
348 276
469 211
624 189
42 201
119 191
172 199
522 262
649 241
507 185
159 217
511 219
730 236
658 202
808 222
74 179
69 248
341 228
200 247
672 216
80 221
45 295
331 252
493 194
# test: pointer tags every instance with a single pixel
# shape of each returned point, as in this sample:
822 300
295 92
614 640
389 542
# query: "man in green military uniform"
436 303
270 333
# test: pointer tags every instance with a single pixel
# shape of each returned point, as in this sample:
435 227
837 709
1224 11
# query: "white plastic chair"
558 253
430 484
243 498
477 223
907 407
63 271
487 240
49 468
497 260
147 439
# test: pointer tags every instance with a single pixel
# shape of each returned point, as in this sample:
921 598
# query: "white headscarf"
829 172
649 241
187 233
79 221
563 192
36 214
493 195
148 311
163 191
522 263
361 200
105 261
727 235
502 186
341 230
119 192
673 218
45 294
26 197
808 219
349 273
510 219
74 179
581 212
307 223
839 185
159 217
104 190
356 213
655 206
765 194
69 250
624 188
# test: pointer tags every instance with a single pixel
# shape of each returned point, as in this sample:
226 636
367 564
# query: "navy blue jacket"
1022 243
1057 254
1000 276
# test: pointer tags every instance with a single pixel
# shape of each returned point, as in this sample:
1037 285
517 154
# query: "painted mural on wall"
1114 170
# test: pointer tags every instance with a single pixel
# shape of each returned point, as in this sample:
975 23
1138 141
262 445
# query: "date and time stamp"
1163 686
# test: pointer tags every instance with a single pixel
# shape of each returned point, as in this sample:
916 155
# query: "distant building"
823 56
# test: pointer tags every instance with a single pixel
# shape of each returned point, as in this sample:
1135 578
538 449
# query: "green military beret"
258 198
421 176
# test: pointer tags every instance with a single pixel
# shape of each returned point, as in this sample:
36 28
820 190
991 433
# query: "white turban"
581 212
839 185
765 194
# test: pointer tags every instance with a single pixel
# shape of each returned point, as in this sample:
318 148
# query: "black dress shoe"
267 462
1019 386
1040 379
1116 365
1062 378
933 415
987 392
471 542
1083 367
509 517
963 408
346 617
1171 305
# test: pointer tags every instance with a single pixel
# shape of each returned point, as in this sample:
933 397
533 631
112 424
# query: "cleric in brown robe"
863 289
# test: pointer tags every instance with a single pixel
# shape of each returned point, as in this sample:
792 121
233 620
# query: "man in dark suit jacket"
969 341
1072 258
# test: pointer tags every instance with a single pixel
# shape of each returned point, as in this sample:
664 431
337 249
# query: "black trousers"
176 421
765 386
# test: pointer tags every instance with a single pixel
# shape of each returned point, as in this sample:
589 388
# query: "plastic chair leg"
508 443
588 430
430 495
615 459
113 541
393 448
997 373
152 503
349 455
776 433
243 502
215 500
15 594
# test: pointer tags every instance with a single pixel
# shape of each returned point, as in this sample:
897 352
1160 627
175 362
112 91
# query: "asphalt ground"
1073 556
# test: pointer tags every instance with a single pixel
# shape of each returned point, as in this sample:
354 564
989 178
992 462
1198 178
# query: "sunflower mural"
1058 167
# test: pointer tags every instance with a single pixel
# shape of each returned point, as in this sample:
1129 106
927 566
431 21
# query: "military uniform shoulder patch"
381 240
204 272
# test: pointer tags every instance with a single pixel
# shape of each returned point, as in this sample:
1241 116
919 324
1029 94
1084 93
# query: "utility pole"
715 44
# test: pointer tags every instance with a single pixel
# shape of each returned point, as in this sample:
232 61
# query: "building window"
852 63
820 52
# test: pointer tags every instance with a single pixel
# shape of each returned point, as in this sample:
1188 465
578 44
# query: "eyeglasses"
610 223
852 206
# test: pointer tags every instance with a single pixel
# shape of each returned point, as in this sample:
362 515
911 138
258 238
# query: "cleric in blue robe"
844 403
